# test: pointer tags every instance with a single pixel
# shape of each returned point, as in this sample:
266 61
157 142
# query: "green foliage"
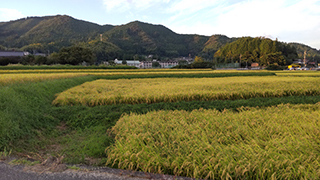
9 60
75 55
48 29
2 47
40 60
5 153
103 51
156 64
275 66
51 33
312 53
38 47
28 60
261 50
214 43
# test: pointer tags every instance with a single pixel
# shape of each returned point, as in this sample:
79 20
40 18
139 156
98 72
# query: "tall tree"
75 55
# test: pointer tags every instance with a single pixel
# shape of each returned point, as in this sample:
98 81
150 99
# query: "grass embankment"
277 142
137 91
25 108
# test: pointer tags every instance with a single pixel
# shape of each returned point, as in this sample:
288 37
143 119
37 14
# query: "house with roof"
11 57
13 54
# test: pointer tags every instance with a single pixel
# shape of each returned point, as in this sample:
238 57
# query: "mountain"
311 53
48 29
51 33
143 38
214 43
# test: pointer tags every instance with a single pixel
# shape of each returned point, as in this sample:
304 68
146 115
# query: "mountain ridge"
50 33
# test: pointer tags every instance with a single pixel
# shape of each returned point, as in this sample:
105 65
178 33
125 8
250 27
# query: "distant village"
135 63
299 64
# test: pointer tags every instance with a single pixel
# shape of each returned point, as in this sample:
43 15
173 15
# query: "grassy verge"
25 108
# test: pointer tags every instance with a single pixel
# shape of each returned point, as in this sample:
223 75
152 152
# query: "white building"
169 64
129 62
146 64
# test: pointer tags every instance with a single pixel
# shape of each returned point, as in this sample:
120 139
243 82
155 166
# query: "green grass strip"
25 108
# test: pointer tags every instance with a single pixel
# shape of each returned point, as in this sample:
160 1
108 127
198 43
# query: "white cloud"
288 20
269 17
9 14
125 5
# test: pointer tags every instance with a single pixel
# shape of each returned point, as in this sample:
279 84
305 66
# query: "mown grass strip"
25 108
255 143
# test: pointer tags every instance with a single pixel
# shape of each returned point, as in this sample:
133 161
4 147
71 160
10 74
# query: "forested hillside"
311 53
261 50
49 31
135 40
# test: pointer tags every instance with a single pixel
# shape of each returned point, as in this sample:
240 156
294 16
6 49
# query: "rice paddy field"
137 91
202 124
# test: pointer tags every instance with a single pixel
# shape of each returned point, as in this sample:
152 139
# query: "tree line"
261 50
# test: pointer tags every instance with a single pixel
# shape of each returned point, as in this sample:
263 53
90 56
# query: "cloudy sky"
287 20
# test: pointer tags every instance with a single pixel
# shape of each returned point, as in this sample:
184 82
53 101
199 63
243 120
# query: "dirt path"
51 170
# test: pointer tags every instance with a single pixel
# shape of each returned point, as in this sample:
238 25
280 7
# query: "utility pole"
240 61
304 59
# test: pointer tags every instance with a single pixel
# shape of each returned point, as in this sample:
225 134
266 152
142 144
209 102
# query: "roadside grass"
5 153
25 108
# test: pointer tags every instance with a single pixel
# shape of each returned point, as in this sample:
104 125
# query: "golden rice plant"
136 91
6 79
280 142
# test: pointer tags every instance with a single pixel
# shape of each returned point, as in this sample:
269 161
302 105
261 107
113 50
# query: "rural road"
21 172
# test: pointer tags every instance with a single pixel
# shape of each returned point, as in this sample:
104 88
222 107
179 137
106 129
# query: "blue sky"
287 20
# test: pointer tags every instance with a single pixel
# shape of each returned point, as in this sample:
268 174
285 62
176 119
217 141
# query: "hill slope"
51 33
143 38
48 29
